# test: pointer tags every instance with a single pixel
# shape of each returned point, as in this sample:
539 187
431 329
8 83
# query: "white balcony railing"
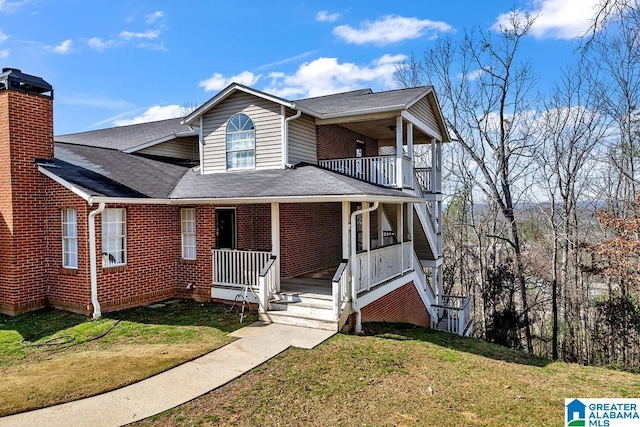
379 170
233 267
380 265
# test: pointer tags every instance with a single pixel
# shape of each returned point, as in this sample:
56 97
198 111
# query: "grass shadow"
38 324
475 346
186 313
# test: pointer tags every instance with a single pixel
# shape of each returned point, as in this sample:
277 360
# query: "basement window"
69 238
188 233
114 237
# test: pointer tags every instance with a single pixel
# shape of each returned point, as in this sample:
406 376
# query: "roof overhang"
148 144
401 198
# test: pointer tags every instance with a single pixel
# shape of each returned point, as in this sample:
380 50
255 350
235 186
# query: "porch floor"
314 284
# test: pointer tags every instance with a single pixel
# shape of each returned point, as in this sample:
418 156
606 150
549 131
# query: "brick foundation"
403 305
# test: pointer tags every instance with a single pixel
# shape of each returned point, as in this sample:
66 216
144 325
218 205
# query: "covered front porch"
369 252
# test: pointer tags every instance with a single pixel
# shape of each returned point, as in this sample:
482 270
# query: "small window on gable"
241 143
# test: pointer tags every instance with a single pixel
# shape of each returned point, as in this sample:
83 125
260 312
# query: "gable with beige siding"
423 111
268 130
302 140
178 148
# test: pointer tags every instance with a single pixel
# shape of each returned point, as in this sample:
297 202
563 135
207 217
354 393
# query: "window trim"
238 150
123 221
187 234
71 238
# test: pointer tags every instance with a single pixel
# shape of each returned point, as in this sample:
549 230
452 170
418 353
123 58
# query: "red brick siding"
403 305
310 237
337 142
26 133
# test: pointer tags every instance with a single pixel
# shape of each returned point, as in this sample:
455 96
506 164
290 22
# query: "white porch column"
440 286
275 238
399 133
380 231
434 166
366 240
346 213
410 140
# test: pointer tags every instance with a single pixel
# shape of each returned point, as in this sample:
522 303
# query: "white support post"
440 287
401 235
399 133
434 166
366 240
346 214
275 239
410 228
410 140
379 214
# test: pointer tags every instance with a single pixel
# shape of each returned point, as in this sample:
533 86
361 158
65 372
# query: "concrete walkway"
258 343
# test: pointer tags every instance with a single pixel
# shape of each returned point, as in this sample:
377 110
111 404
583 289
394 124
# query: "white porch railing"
379 170
340 289
267 283
455 314
379 265
233 267
407 172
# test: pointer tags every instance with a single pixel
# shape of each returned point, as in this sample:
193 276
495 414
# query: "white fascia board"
425 128
66 184
226 92
160 141
252 200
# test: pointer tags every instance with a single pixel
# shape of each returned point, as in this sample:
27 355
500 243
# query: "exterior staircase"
302 302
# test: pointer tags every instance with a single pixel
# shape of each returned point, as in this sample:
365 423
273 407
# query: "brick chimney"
26 134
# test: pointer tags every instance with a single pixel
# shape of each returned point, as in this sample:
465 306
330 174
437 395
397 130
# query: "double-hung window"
69 238
241 142
188 233
114 237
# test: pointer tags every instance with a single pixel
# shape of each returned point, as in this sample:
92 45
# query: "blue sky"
124 61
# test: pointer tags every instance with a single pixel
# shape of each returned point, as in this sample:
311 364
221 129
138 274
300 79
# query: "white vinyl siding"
302 140
114 237
179 148
69 238
423 111
188 233
268 131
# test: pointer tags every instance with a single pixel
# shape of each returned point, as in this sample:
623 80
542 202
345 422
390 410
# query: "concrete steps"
311 310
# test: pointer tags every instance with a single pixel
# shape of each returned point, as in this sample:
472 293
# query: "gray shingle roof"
103 172
361 100
126 137
303 180
111 173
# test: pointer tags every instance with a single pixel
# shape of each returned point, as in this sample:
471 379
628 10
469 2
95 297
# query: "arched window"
241 143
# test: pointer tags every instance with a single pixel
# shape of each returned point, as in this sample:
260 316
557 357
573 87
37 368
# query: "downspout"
93 270
354 291
285 138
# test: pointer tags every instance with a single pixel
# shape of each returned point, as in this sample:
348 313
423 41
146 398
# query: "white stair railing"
340 289
267 284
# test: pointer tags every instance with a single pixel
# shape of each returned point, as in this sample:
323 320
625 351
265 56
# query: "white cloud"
217 81
3 37
4 53
153 114
557 19
391 29
63 48
326 75
324 16
98 44
11 6
129 35
153 17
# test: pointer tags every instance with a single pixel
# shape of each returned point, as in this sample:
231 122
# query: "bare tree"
486 94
